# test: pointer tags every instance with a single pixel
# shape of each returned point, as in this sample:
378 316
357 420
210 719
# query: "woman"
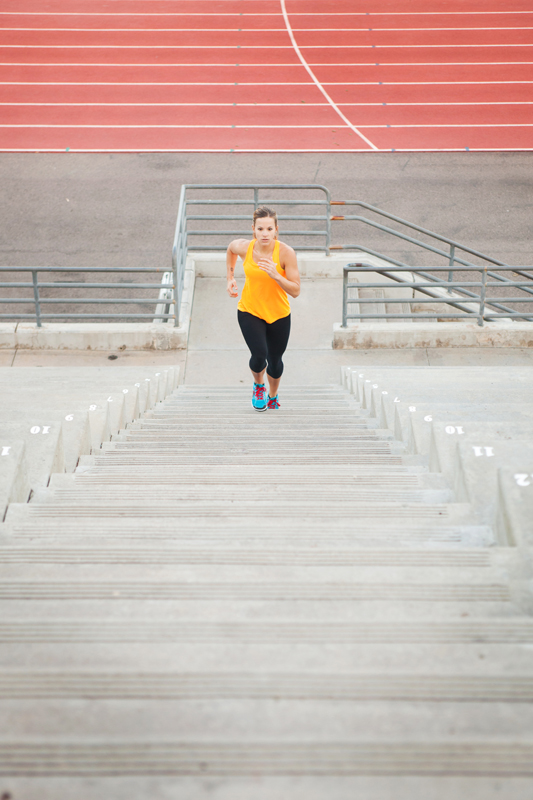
264 312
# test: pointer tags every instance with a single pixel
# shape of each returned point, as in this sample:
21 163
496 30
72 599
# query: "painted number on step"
523 479
6 450
69 417
93 408
412 408
429 418
451 429
37 429
396 399
375 386
483 451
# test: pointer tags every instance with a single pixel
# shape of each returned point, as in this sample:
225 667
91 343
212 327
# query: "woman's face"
265 230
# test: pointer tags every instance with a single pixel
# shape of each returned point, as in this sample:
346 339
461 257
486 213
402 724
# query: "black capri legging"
267 342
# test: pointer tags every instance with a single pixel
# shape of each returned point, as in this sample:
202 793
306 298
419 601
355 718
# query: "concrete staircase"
225 604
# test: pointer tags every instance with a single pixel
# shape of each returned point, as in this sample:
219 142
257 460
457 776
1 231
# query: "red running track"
284 76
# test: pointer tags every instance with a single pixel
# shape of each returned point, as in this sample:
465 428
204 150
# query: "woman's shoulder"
240 246
286 252
285 248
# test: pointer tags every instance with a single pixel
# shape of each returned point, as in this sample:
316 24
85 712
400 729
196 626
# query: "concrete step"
336 602
208 441
474 631
230 764
257 719
201 433
399 563
233 653
177 424
228 493
237 533
85 476
304 587
440 687
304 512
247 412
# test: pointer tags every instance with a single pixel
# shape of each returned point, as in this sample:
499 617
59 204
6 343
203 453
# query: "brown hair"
263 211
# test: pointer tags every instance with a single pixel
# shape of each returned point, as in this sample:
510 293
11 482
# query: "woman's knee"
275 369
257 363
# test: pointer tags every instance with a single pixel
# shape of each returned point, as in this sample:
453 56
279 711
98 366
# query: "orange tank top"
262 296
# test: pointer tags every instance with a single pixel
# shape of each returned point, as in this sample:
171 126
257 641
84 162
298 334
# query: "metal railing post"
35 280
328 224
482 296
256 198
179 254
345 274
450 273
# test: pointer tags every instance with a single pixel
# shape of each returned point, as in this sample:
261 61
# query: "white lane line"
192 127
262 30
390 83
317 82
148 46
399 64
301 104
339 149
338 128
250 46
389 105
377 46
189 65
222 105
262 83
374 30
262 14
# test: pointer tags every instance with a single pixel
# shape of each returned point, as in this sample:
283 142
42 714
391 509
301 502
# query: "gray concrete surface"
515 489
402 335
218 355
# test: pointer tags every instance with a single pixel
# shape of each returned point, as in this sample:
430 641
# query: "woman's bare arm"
236 248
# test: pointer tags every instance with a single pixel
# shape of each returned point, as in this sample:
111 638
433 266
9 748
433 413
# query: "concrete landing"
218 355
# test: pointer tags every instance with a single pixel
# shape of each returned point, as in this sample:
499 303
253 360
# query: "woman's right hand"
233 291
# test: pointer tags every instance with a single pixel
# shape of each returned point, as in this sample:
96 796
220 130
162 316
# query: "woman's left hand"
268 266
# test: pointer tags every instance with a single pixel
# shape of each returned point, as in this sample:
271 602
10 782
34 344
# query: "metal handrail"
451 254
429 286
182 246
36 285
321 238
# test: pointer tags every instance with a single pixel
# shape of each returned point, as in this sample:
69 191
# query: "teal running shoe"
272 403
258 398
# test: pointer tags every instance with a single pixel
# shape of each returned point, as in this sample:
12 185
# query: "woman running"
264 312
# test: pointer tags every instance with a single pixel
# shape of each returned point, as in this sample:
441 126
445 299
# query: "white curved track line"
317 82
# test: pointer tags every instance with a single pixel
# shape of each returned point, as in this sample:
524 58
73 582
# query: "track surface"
282 76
